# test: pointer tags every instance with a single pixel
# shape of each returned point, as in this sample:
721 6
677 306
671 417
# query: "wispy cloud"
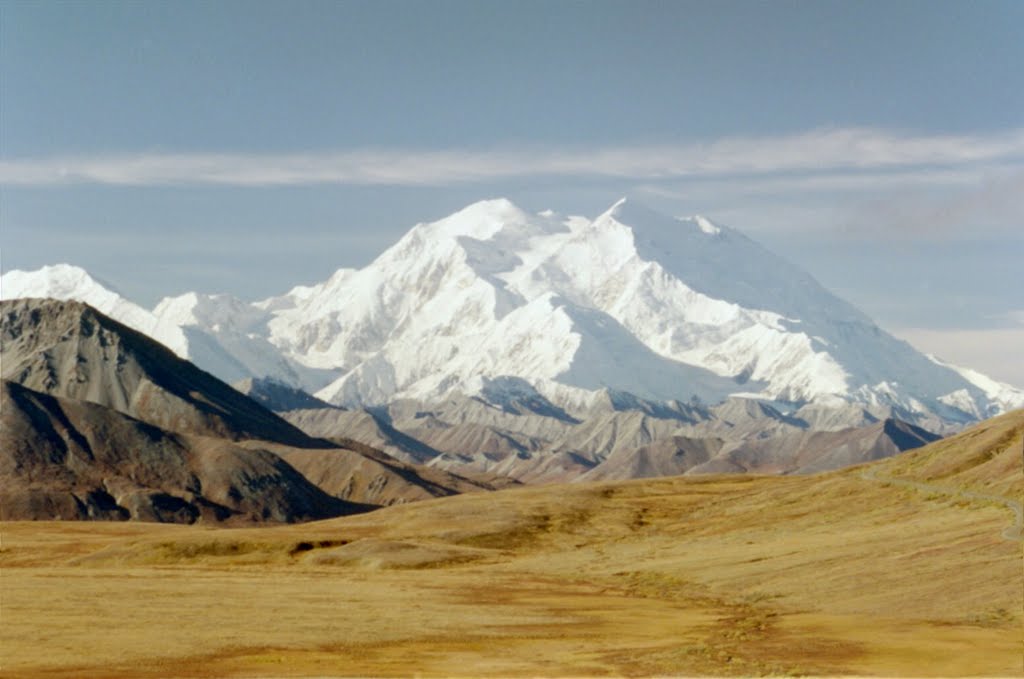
857 149
830 181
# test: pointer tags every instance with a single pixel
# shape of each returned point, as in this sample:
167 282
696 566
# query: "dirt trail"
1014 532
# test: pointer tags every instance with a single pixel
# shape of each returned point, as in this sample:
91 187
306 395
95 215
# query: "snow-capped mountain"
571 308
66 282
228 337
634 301
219 333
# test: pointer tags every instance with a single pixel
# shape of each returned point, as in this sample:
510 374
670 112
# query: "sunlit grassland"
834 574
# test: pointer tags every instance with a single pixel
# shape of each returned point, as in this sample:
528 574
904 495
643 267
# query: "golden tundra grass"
834 574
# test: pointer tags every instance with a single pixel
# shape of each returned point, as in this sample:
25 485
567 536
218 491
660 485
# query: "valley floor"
836 574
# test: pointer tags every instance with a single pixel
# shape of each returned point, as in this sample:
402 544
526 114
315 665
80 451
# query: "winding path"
1014 533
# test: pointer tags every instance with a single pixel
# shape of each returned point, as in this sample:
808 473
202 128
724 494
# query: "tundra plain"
911 566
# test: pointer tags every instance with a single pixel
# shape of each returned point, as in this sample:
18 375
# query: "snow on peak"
58 281
491 291
482 219
67 282
219 333
228 337
180 309
209 311
653 228
430 317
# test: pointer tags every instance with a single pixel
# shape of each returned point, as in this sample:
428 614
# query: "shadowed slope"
67 459
738 436
360 425
279 397
808 452
364 474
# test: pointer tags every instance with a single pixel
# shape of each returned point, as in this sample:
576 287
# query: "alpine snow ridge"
219 333
562 312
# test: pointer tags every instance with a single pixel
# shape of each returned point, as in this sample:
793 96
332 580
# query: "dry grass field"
842 573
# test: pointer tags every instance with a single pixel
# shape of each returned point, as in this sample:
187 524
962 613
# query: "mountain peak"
625 207
63 269
637 215
482 219
59 281
68 282
634 213
194 308
500 204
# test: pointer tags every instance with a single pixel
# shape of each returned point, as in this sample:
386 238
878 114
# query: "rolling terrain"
910 566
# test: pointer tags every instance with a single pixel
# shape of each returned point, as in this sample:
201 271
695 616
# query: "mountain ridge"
69 349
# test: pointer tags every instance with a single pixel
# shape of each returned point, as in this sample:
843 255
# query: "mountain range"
558 314
99 421
508 347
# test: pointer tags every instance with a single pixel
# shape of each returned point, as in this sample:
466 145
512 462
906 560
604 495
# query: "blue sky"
247 147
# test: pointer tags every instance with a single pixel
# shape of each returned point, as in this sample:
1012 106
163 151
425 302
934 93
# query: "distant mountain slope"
470 437
808 452
669 456
359 425
68 459
229 338
278 397
363 474
68 349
